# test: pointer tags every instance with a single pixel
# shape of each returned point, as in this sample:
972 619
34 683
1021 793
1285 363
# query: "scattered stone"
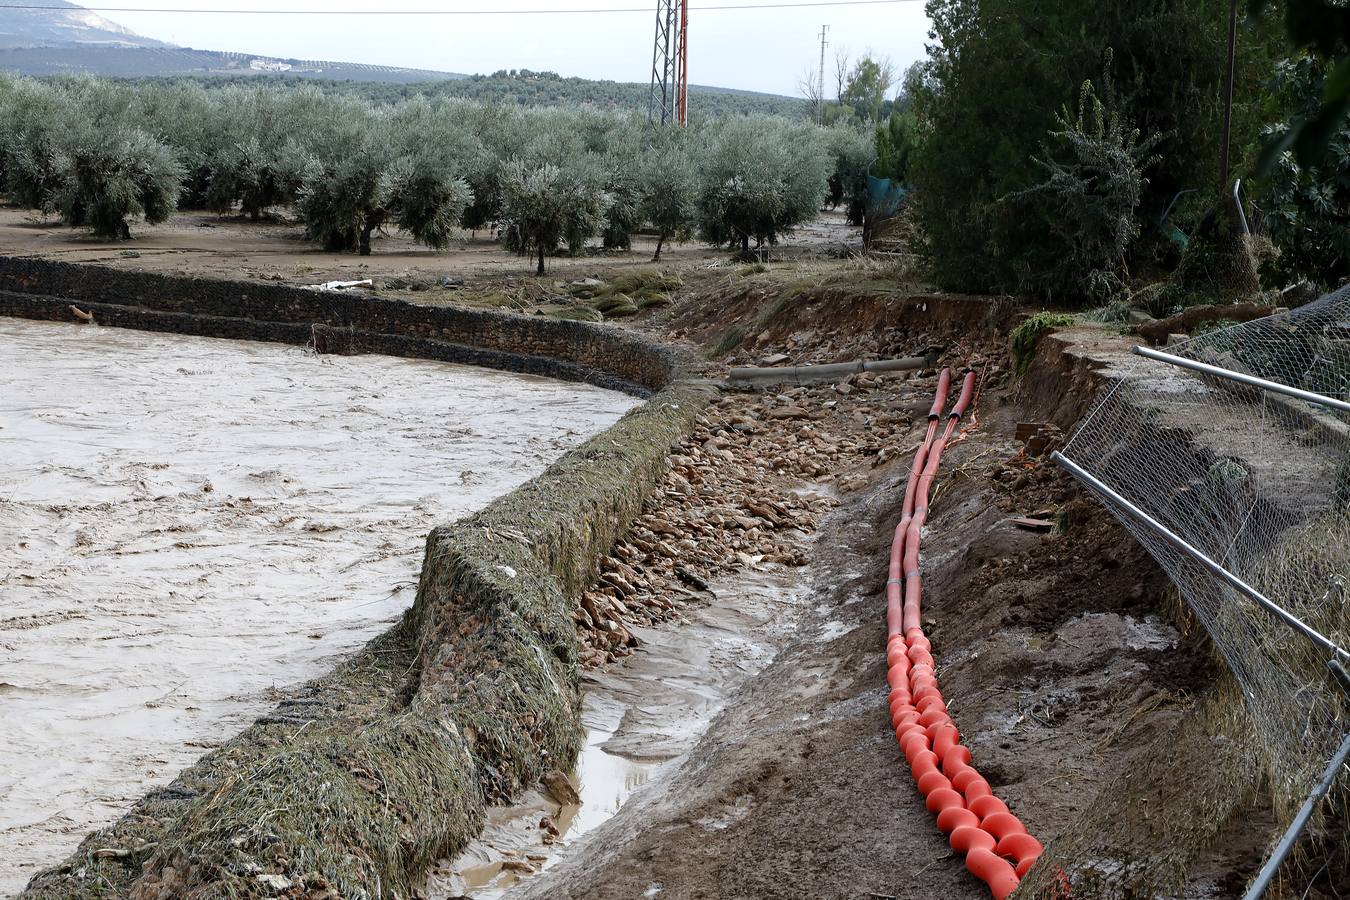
275 882
737 495
788 412
560 788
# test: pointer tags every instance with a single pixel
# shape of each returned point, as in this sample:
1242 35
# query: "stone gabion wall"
355 785
562 348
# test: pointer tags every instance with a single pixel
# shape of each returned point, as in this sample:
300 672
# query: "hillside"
525 88
45 43
161 61
75 41
31 28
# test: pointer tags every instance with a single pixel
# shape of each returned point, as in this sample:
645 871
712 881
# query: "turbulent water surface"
188 524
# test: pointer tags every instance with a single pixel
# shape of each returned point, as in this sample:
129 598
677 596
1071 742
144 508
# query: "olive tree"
257 177
37 119
761 178
853 151
545 205
347 200
108 180
668 187
624 213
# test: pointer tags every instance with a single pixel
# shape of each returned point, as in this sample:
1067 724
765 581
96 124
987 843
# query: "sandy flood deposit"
190 525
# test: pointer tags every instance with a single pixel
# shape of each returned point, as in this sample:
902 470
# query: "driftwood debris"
1188 320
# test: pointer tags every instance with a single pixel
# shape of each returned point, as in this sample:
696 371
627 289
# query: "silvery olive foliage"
761 178
106 154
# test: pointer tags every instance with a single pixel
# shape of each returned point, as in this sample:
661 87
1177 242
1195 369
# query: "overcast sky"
762 50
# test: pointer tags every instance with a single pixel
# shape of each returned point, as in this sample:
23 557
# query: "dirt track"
1054 657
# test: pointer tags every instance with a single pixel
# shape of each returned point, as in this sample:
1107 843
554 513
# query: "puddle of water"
189 524
513 844
642 717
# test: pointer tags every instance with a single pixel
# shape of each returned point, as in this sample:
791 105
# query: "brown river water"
188 525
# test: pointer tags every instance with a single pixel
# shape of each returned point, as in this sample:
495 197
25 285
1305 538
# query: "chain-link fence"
1241 490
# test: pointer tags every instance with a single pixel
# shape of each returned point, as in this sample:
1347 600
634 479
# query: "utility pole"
820 84
682 69
668 99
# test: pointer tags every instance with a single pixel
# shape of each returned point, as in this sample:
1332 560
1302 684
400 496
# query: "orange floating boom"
997 847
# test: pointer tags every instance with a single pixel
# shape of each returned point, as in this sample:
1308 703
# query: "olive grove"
106 154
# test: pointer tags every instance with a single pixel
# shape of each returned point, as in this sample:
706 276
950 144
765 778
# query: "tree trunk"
541 257
364 246
745 246
660 239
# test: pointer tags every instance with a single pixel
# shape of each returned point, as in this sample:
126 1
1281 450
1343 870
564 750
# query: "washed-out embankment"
363 778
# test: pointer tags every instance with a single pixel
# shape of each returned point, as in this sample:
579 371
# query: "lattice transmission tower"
668 101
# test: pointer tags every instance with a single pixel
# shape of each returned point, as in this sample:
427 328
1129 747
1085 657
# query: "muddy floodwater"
189 525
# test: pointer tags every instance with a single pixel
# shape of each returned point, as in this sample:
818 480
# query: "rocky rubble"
746 490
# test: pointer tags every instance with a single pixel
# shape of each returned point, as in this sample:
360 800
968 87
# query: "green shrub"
1308 207
1085 209
1024 338
996 74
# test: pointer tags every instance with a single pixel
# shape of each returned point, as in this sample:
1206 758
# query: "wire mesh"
1260 483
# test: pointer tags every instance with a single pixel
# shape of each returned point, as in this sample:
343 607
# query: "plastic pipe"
894 583
996 844
828 371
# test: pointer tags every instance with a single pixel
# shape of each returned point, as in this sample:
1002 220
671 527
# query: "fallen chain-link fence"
1228 458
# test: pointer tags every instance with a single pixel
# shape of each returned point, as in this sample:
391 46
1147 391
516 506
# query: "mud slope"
1055 655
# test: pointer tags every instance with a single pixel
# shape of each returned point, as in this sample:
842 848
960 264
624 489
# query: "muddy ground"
1056 653
202 243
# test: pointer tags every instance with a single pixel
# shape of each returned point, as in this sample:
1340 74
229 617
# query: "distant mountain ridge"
75 41
73 26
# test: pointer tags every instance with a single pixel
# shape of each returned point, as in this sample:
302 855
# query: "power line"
810 4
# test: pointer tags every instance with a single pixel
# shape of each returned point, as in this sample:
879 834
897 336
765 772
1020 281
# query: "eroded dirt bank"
189 524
